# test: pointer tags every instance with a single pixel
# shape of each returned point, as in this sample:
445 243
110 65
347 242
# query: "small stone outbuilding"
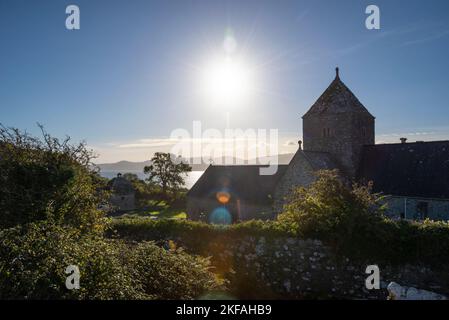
123 195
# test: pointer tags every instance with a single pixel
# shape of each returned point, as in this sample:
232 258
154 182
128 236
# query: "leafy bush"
197 236
350 219
329 209
47 179
171 275
33 259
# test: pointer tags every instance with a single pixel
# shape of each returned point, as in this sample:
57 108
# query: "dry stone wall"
293 268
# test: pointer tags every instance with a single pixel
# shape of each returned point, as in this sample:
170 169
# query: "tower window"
326 132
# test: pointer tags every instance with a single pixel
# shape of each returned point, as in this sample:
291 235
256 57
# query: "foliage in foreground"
194 235
33 260
373 238
331 210
44 178
351 220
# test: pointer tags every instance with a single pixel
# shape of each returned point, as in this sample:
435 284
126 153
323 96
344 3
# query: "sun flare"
227 82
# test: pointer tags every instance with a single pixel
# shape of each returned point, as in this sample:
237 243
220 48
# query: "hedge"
386 241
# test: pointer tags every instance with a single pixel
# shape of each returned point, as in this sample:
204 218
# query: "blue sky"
129 75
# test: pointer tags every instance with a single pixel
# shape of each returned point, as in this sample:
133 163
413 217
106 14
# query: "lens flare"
223 197
220 215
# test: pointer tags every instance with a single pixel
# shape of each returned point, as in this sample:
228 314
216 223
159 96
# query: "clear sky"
130 75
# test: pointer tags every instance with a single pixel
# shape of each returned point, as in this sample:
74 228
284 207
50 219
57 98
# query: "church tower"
338 124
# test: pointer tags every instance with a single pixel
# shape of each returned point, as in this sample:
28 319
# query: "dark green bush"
351 220
43 178
196 236
328 209
173 275
33 259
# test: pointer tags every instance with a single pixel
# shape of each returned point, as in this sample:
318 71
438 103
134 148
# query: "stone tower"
337 123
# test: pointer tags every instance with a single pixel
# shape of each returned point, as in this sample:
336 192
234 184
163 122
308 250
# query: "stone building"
338 133
123 195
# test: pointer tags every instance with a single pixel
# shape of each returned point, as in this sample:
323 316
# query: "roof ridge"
406 144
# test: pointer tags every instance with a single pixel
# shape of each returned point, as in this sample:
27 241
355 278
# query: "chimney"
403 140
300 144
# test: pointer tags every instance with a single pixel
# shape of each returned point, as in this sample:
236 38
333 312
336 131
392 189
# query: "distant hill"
129 166
124 166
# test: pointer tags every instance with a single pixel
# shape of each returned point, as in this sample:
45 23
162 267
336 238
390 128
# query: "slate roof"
241 181
120 185
320 160
337 98
419 169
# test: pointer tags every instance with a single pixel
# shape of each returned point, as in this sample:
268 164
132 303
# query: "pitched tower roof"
337 98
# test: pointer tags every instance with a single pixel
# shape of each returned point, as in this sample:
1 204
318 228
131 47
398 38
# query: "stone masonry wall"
294 269
299 173
348 132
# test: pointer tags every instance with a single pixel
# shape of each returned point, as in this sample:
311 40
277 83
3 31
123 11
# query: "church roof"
419 169
320 160
337 98
241 181
120 185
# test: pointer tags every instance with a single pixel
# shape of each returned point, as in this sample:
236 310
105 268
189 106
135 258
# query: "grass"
157 210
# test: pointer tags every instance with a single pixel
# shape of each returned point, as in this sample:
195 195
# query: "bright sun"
227 82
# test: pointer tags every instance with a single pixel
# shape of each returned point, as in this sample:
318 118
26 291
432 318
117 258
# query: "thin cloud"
427 39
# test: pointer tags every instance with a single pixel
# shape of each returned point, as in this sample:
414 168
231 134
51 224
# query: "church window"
326 132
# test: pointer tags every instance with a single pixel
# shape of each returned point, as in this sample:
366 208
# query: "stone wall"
343 135
123 202
292 268
299 173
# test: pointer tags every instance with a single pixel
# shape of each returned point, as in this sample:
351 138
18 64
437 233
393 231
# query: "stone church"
338 133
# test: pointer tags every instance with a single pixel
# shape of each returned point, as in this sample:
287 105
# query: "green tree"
167 173
131 177
44 178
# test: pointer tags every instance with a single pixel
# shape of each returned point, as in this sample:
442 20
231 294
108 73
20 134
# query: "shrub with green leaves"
44 178
330 209
33 259
172 275
351 220
194 235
